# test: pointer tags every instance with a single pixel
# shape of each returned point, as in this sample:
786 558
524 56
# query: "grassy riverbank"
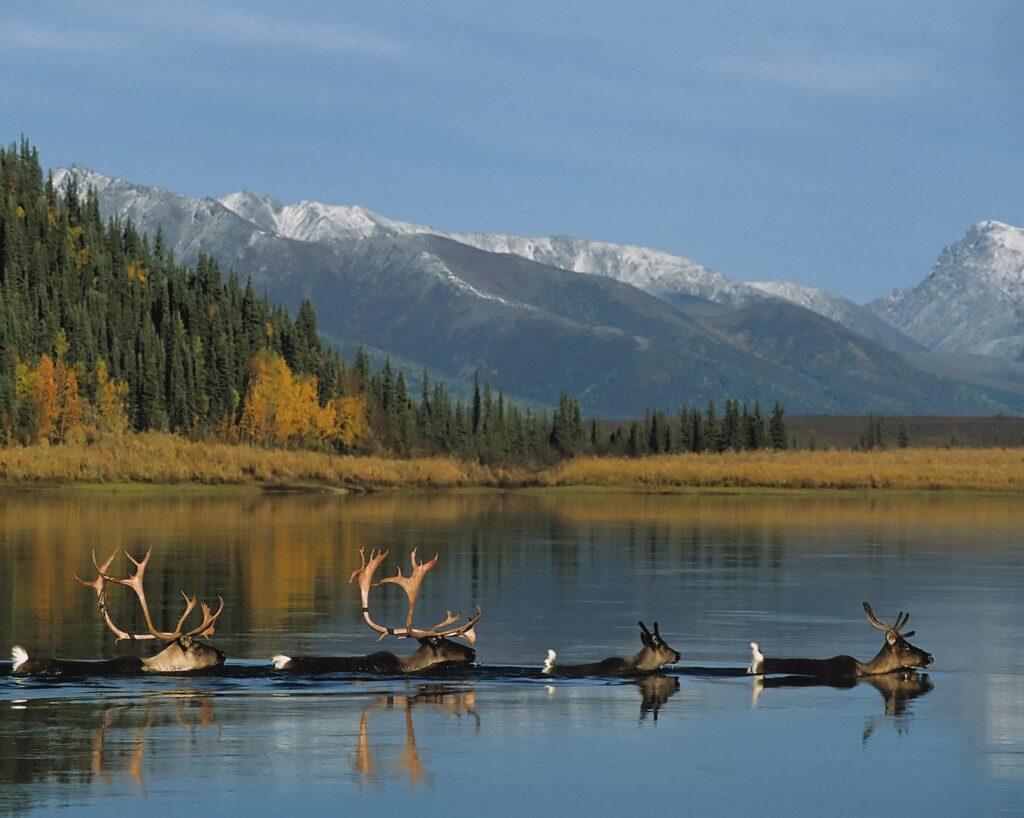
167 459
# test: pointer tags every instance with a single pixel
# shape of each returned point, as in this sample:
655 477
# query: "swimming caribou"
896 654
436 647
654 654
183 652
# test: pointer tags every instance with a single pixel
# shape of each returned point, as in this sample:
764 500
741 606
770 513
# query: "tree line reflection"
282 563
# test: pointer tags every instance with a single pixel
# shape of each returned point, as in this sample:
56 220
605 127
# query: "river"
569 571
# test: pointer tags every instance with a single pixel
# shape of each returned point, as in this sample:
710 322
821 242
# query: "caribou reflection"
103 746
897 689
656 690
449 701
190 712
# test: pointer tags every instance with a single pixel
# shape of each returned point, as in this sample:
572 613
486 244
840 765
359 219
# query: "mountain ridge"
660 331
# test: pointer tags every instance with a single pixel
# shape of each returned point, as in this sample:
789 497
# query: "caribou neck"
646 660
886 660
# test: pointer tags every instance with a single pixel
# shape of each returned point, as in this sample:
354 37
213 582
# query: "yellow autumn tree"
70 405
110 410
69 413
350 419
280 408
44 399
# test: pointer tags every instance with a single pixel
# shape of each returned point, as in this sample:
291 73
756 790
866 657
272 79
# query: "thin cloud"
830 73
251 29
105 31
22 36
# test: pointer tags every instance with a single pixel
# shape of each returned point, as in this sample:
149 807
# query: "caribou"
654 654
182 652
436 649
897 654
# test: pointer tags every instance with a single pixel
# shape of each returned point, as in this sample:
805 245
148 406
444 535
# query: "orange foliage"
50 391
45 400
70 402
137 271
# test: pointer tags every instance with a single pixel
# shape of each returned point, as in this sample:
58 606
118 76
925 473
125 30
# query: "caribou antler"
99 586
206 628
411 585
895 628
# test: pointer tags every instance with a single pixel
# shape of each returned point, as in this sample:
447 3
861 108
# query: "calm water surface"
572 572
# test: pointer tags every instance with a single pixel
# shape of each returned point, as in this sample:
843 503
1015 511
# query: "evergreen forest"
103 332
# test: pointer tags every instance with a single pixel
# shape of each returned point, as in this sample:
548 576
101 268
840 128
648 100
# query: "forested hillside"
99 327
102 331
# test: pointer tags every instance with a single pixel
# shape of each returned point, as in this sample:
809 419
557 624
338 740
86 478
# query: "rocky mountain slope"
841 310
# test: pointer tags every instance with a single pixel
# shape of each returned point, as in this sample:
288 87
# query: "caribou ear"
890 638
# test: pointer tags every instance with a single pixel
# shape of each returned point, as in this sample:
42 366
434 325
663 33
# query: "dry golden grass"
998 470
168 459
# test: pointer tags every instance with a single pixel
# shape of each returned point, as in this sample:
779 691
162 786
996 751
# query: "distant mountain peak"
973 298
84 177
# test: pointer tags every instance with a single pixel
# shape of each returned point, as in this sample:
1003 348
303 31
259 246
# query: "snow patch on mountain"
819 301
435 266
315 221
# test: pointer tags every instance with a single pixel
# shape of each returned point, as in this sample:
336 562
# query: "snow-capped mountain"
973 299
624 328
842 311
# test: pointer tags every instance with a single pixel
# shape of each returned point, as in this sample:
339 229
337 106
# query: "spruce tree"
777 429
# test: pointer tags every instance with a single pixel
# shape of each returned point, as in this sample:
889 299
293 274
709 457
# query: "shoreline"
158 461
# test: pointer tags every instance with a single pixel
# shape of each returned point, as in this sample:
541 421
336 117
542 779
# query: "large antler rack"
411 585
206 628
895 628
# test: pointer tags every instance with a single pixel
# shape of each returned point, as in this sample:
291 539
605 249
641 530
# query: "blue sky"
838 145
